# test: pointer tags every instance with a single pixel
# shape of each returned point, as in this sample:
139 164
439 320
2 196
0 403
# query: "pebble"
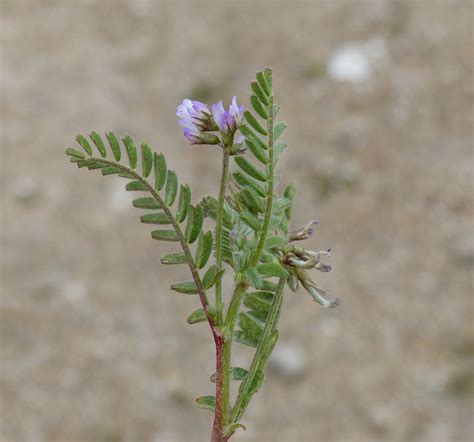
289 360
25 189
353 62
350 64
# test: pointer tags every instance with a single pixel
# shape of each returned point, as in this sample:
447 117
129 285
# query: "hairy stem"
270 184
219 219
223 362
177 229
260 357
220 415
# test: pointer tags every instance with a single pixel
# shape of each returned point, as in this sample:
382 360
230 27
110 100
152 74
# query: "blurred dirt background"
378 96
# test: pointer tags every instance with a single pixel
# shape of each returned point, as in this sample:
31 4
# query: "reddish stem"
219 416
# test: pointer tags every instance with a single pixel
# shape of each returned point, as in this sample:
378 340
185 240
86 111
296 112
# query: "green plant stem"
270 184
260 357
230 321
177 229
219 221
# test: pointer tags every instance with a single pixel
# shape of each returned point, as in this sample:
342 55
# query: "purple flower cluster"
197 120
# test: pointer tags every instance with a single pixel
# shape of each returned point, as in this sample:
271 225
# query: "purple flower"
193 111
195 118
227 120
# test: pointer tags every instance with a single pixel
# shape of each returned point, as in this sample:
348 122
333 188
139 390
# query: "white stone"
349 63
354 62
289 360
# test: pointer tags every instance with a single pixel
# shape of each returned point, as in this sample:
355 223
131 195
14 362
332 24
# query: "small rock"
354 62
349 63
288 360
25 189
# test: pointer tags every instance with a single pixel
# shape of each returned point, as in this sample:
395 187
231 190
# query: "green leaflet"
246 181
250 134
272 269
259 93
275 241
267 73
250 325
259 108
196 316
146 202
82 163
258 301
159 162
242 338
206 402
268 286
135 185
263 84
251 220
279 148
84 144
110 170
230 429
114 145
183 203
254 277
289 194
147 159
209 205
96 165
186 287
250 169
155 218
74 153
95 137
194 226
276 110
126 175
236 373
252 201
257 150
174 258
278 130
257 382
203 250
254 122
171 188
131 151
211 276
164 235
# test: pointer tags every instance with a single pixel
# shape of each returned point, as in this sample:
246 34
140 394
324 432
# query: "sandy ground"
94 345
